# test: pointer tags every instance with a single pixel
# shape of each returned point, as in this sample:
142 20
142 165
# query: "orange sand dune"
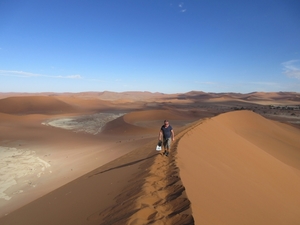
240 168
293 96
152 115
69 154
146 122
141 187
91 104
120 127
34 104
129 95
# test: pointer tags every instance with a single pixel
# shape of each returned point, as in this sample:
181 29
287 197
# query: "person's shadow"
126 164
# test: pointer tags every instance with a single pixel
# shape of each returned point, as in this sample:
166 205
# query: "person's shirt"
166 131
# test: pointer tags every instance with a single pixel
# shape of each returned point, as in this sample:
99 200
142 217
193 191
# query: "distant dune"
145 121
136 96
240 168
153 115
34 104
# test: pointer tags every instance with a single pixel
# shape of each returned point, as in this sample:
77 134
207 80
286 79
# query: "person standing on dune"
166 133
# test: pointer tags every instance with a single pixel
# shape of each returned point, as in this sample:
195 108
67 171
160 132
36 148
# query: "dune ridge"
240 168
162 199
154 195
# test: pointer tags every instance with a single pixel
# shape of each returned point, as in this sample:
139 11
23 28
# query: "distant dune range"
230 164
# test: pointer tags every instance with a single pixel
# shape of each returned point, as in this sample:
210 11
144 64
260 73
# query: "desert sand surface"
89 158
240 168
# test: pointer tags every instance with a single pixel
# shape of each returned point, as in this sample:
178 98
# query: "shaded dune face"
136 123
240 168
146 122
120 127
153 115
34 104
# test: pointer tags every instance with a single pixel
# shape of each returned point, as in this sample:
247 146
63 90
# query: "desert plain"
90 158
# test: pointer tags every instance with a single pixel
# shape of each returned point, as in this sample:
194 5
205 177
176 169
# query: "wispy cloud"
14 73
205 82
265 83
77 76
181 7
292 68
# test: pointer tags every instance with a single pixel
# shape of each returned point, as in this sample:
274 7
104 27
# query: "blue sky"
149 45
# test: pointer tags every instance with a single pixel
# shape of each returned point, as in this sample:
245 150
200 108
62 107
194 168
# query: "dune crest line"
241 168
155 194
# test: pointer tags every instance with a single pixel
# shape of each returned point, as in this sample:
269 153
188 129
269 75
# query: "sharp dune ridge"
240 168
155 194
227 165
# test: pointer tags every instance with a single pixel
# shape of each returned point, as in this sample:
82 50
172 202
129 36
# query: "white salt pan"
88 123
16 164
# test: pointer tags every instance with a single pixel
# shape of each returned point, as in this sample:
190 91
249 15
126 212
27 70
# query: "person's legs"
167 146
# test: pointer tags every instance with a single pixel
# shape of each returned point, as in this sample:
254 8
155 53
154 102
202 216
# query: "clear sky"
149 45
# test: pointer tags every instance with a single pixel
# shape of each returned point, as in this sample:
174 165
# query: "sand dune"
34 104
239 168
290 96
236 168
153 115
69 154
154 195
140 187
